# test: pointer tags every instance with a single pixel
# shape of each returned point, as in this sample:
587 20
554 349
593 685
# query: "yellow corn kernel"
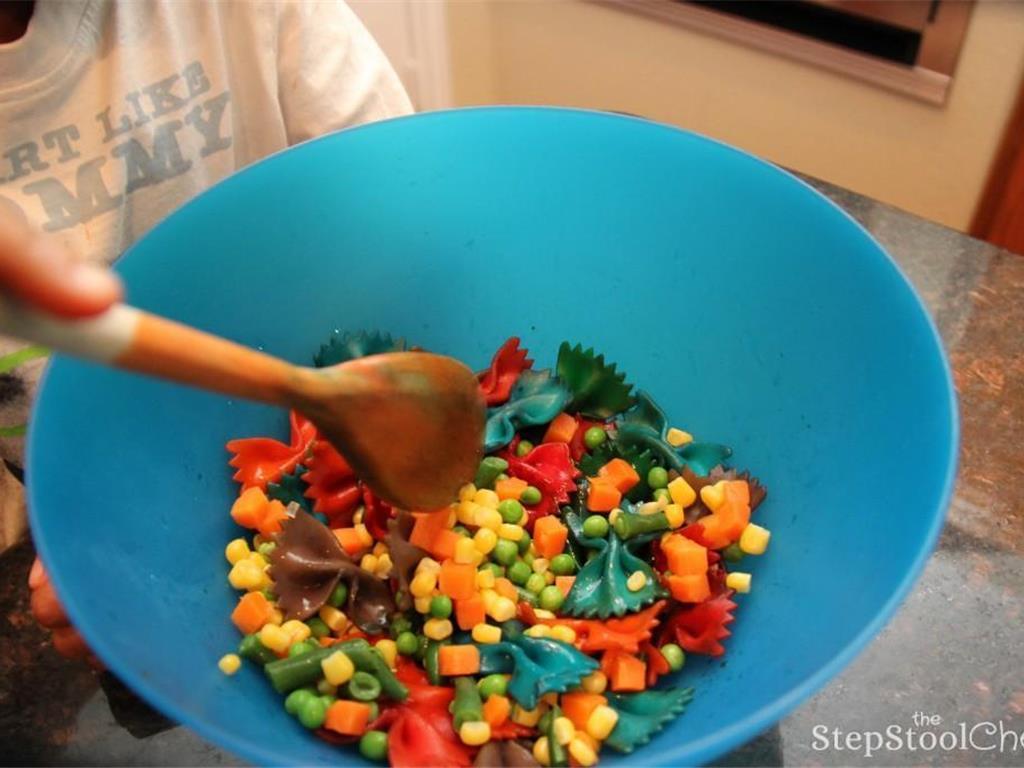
296 630
527 717
389 650
542 751
245 574
466 492
489 596
540 613
651 507
502 610
563 633
380 548
369 563
613 515
274 638
738 581
276 617
229 663
485 540
333 618
357 517
428 565
595 682
538 630
422 604
754 539
485 579
581 752
681 492
713 496
237 549
488 518
675 515
677 437
465 512
423 583
602 722
384 566
549 577
510 531
563 730
486 498
541 565
476 732
485 634
636 581
437 629
365 537
589 740
465 550
338 668
453 516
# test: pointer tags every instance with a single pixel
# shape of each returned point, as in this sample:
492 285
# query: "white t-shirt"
113 113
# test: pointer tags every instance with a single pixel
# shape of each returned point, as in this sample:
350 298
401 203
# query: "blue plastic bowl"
755 311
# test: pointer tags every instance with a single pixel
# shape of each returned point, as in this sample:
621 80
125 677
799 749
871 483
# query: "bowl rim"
697 751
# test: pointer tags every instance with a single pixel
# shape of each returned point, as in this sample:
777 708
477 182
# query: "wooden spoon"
410 423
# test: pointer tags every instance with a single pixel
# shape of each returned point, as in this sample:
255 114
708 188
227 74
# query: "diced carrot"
469 612
348 718
578 707
444 544
549 536
684 556
497 709
602 496
561 429
453 660
619 473
691 588
458 581
350 541
249 508
564 584
251 613
626 673
273 517
427 527
506 588
510 489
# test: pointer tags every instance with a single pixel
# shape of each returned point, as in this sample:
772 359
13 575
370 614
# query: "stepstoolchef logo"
926 733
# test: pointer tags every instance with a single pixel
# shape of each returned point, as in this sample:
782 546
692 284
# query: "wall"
930 160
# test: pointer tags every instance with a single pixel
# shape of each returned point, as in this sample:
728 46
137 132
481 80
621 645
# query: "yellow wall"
926 159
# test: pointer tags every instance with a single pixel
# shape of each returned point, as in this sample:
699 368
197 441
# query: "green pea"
373 745
407 643
662 494
524 543
563 565
492 685
297 698
399 625
297 649
528 558
324 688
327 699
268 594
505 552
673 655
524 447
551 598
494 568
594 437
535 583
338 596
461 530
502 476
733 553
363 687
657 477
266 548
441 607
311 712
317 628
530 495
595 526
511 511
519 572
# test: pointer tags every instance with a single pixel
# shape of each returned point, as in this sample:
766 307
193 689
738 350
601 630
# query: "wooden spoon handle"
128 338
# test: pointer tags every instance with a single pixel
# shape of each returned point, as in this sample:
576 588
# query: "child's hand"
41 273
50 614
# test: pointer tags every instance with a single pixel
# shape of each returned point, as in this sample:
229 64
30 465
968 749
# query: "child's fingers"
69 643
37 576
47 608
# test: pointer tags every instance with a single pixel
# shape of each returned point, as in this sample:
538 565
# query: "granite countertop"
954 651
